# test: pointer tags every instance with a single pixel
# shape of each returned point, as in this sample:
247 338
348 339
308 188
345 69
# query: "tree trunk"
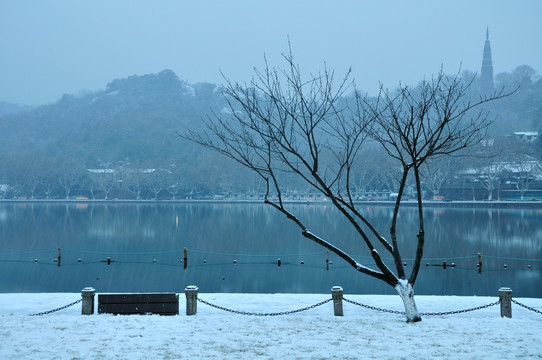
406 292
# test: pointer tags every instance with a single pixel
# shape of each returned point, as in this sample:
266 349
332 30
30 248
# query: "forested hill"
132 120
132 125
135 119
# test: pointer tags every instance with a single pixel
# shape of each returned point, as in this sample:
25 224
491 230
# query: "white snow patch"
313 334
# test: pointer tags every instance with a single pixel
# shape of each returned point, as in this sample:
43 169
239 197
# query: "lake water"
235 247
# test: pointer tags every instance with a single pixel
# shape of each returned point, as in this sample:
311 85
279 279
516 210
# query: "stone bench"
139 304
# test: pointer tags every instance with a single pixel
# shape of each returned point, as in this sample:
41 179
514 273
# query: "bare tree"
414 126
437 172
135 180
157 180
523 169
282 124
486 170
70 173
103 179
490 178
364 178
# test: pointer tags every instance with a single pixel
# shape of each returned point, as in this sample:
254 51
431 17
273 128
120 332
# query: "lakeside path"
314 334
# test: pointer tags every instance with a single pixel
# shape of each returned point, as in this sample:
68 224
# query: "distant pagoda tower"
486 81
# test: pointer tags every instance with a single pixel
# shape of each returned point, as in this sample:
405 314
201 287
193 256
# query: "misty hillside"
522 111
9 108
133 119
133 123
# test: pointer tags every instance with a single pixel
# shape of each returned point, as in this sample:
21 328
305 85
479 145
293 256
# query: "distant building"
101 171
486 76
526 136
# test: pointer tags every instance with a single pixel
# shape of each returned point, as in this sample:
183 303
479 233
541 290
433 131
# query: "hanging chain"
461 311
421 314
374 307
58 309
320 304
526 307
264 314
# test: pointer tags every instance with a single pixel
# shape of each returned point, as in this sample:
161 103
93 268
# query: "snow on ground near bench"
313 334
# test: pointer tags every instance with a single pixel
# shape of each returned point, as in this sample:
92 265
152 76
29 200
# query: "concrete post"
505 296
87 305
191 293
337 296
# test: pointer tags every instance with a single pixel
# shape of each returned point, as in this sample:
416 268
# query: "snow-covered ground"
312 334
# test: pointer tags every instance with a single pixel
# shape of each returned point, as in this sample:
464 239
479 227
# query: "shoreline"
497 204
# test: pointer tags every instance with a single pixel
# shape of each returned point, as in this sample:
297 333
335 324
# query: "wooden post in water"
505 296
185 258
58 261
191 293
337 296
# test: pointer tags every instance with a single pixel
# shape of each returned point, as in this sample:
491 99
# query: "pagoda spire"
486 81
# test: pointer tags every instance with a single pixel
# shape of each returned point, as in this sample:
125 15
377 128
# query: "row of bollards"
191 293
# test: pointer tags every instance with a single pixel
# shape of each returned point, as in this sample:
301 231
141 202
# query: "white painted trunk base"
406 292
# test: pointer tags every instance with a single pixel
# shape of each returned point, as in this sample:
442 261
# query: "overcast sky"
55 47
